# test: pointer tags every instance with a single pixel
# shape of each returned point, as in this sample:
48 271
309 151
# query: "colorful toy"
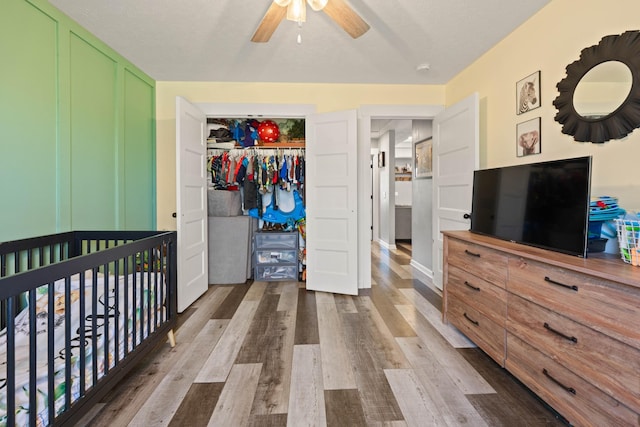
268 131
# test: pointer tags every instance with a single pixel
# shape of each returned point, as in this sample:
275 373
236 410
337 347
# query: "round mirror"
602 90
586 114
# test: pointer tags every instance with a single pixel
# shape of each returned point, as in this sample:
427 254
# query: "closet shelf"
292 144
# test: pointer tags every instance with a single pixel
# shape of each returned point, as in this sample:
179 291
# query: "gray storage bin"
223 203
230 249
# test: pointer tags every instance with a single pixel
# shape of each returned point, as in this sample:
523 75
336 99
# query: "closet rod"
256 151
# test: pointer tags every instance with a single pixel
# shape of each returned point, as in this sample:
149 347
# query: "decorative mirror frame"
624 48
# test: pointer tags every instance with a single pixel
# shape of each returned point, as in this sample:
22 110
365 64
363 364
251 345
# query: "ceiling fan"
295 10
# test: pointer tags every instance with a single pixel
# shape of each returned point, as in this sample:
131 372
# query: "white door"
455 157
191 195
331 202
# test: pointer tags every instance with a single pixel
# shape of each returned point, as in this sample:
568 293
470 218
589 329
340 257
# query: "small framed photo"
423 159
528 138
528 93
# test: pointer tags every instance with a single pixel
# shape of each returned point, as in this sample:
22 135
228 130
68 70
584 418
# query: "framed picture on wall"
381 157
423 159
528 93
528 138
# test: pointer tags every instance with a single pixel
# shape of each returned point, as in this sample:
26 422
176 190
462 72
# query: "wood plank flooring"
274 354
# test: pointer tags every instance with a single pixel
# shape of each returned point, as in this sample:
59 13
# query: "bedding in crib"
124 314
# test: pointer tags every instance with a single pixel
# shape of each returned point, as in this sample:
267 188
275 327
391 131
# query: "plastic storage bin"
629 240
276 256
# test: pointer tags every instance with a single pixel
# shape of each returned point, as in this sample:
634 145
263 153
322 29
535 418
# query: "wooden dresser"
567 327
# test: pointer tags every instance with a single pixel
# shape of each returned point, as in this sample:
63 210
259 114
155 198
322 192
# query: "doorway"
410 211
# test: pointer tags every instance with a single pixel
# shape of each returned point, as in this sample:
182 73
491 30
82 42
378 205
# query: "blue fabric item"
283 170
236 131
280 217
248 139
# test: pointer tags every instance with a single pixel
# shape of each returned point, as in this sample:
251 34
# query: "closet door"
332 202
191 193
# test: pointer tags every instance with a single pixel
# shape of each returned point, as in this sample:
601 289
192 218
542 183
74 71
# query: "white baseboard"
425 275
386 245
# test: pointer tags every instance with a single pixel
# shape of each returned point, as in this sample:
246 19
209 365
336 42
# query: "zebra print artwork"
528 97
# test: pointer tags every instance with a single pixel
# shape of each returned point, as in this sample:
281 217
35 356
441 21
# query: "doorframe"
365 114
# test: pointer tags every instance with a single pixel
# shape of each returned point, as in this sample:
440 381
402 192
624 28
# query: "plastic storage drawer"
276 272
277 240
276 256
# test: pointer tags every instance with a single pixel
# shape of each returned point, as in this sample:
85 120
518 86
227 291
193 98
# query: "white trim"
421 268
424 275
256 110
400 111
386 245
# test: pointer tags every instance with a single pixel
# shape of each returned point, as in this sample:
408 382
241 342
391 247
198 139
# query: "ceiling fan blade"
346 18
275 14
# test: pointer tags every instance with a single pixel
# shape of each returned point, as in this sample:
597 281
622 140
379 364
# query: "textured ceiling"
209 40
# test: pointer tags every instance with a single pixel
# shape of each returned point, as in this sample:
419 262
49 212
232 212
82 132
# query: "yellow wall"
326 97
548 42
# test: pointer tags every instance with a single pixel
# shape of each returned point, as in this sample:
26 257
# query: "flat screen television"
542 204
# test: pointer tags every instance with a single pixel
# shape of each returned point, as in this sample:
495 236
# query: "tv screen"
542 204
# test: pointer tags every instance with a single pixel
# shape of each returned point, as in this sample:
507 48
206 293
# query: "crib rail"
126 303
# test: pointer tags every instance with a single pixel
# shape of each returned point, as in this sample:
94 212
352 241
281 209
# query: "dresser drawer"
594 302
577 400
485 297
487 335
611 365
485 263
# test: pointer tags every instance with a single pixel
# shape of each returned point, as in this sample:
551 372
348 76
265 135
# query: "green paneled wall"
77 140
139 158
28 120
93 136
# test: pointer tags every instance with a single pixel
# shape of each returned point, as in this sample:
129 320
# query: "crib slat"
105 314
68 343
11 360
148 296
116 312
82 344
94 324
134 304
51 386
33 352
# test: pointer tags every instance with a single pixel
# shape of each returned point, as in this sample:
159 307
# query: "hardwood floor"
274 354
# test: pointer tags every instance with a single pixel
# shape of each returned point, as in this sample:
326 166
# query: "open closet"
256 199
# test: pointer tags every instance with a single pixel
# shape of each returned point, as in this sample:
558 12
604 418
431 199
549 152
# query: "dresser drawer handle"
572 287
568 389
567 337
468 252
471 286
475 322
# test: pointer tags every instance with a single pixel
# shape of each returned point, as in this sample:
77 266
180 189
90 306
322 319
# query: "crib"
77 311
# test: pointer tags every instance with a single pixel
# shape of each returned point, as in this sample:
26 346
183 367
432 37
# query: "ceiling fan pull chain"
299 39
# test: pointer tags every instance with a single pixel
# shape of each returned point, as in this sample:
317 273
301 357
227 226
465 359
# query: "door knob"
466 216
174 215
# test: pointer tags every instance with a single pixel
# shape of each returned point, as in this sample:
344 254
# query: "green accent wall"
77 129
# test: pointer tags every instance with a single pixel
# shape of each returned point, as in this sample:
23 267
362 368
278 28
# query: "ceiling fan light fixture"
297 11
317 4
